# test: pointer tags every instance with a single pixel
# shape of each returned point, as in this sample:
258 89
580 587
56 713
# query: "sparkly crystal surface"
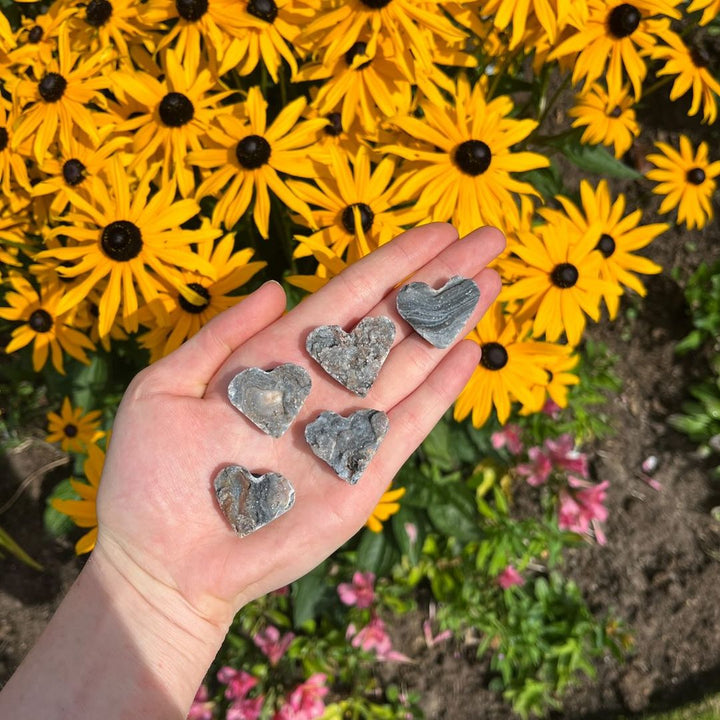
347 444
438 315
249 501
354 359
270 399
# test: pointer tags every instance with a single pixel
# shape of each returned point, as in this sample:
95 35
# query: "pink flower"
581 508
538 470
551 408
305 701
374 638
412 532
246 709
431 641
202 708
360 592
238 682
509 577
508 437
564 456
271 644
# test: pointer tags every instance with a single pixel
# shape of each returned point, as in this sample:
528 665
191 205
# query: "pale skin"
150 609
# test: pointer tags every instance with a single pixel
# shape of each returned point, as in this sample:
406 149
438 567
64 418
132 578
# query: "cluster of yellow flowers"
144 144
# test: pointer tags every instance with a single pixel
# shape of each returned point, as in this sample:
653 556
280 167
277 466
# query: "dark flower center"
187 306
52 86
473 157
624 20
3 138
35 34
616 112
98 12
73 171
253 152
606 245
334 126
359 48
699 56
70 430
375 4
266 10
564 275
695 176
40 320
176 109
494 356
191 9
121 240
366 217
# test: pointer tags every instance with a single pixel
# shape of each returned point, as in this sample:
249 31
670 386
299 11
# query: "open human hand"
159 521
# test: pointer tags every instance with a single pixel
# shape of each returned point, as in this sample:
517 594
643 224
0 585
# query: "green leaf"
547 181
8 544
454 515
56 523
409 516
592 158
374 553
306 593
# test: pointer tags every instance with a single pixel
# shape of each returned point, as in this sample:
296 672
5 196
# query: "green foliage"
9 545
702 293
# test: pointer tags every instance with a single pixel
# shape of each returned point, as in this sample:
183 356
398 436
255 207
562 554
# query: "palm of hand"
176 428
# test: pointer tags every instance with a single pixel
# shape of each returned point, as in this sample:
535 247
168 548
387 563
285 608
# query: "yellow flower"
464 174
508 370
59 100
42 324
557 361
233 269
607 120
249 155
330 264
14 181
620 237
687 180
559 282
36 38
710 8
690 64
73 428
617 35
83 512
122 235
357 212
387 506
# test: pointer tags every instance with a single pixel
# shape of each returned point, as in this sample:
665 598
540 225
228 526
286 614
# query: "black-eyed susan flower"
620 236
248 155
686 179
42 325
617 35
463 172
233 268
83 512
167 118
73 428
691 66
558 281
127 240
14 180
557 361
710 9
58 101
508 369
353 206
387 506
607 120
36 38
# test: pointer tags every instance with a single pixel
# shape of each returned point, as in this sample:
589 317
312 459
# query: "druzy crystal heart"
270 399
438 315
249 501
354 359
347 444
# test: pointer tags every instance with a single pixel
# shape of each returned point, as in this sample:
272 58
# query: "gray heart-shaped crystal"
354 359
249 501
270 399
438 315
347 444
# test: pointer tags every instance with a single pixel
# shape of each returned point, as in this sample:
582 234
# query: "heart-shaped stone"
249 501
438 315
347 444
354 359
271 399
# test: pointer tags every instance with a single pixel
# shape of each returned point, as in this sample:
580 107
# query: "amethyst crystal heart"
354 359
438 315
270 399
249 501
347 444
